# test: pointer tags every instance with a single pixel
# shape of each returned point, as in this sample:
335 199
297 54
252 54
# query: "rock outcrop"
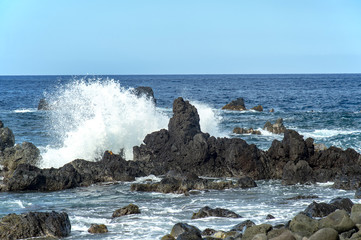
98 228
43 104
258 108
237 105
74 174
185 148
275 128
35 224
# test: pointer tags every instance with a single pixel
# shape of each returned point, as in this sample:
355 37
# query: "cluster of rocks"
238 130
275 128
340 219
186 149
238 105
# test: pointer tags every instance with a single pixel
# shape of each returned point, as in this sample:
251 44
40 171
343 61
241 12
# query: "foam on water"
91 116
327 133
25 110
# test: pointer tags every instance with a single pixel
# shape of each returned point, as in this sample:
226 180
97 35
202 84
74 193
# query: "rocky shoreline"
183 152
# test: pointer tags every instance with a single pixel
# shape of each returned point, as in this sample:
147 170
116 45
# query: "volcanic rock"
325 234
217 212
145 91
98 228
319 209
43 105
127 210
255 230
7 138
258 108
300 172
237 104
12 157
239 130
181 228
275 128
303 225
74 174
35 224
185 148
338 220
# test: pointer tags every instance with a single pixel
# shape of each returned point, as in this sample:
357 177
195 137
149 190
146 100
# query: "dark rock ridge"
237 105
323 209
74 174
238 130
145 91
294 160
35 224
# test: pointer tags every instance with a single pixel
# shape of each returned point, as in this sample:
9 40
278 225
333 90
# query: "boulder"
303 225
319 209
237 105
12 157
269 216
180 228
43 105
342 203
258 108
241 226
356 213
280 234
35 224
189 236
251 232
338 220
127 210
217 212
7 138
77 173
145 91
276 128
98 228
246 182
168 237
239 130
325 234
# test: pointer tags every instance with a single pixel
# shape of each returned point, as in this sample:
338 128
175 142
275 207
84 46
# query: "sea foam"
91 116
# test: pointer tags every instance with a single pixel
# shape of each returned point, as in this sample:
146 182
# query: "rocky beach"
183 162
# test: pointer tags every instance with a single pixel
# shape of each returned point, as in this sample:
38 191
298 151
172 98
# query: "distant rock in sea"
237 105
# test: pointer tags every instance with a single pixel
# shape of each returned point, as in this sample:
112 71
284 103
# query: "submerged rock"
127 210
35 224
237 105
217 212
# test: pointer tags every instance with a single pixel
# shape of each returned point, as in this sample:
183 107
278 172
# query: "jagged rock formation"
145 91
185 148
275 128
7 138
237 105
238 130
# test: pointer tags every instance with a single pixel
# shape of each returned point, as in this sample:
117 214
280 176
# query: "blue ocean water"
96 113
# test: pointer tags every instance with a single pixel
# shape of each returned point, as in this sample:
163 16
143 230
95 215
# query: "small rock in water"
239 130
98 228
272 110
127 210
269 216
275 128
217 212
43 105
237 105
258 108
181 228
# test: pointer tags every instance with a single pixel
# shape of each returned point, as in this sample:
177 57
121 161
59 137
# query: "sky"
77 37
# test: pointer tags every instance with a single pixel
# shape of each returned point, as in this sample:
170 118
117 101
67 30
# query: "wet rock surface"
217 212
276 128
127 210
35 224
237 105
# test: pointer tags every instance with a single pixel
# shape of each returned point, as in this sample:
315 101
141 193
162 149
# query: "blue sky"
179 37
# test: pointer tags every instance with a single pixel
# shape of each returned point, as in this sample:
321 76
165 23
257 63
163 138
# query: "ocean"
97 113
